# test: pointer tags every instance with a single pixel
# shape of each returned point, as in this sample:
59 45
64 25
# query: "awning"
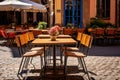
10 5
36 6
25 5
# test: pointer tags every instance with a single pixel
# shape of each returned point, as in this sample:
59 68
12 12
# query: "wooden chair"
117 35
80 30
36 32
31 38
17 41
110 35
76 48
86 42
67 31
99 36
9 37
27 54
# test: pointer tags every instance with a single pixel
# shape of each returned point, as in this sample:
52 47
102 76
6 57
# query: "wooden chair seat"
37 48
74 54
32 53
70 48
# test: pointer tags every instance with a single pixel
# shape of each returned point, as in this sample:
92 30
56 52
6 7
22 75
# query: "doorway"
73 12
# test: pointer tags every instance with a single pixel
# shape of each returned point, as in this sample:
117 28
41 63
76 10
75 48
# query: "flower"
54 31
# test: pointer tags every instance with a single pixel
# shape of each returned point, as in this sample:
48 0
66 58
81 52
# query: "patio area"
103 63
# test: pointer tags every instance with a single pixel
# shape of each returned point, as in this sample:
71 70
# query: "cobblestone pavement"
103 63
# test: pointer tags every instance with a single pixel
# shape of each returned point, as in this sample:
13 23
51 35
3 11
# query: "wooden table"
59 41
59 36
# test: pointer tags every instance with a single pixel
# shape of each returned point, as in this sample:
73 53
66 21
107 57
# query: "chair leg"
83 62
21 66
65 65
41 59
41 64
61 55
32 63
27 62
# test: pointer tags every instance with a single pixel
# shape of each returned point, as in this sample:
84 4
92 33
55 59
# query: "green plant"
96 22
69 25
42 25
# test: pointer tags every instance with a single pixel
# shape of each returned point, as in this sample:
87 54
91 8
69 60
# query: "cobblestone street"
103 63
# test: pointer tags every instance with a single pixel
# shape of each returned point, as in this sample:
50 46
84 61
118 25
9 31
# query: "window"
103 8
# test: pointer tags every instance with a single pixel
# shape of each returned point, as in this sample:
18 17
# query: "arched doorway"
73 12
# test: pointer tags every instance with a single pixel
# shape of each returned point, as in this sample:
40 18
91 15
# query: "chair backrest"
99 31
19 28
3 34
79 36
36 32
80 30
67 31
17 40
11 35
83 39
31 36
24 39
87 44
88 41
110 31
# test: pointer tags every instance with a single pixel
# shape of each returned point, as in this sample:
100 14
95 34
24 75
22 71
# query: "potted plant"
42 25
69 25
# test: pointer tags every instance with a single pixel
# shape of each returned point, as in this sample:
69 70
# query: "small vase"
53 38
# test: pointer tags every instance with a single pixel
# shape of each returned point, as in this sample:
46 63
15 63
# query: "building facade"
79 12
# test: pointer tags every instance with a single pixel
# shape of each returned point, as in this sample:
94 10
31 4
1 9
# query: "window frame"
103 9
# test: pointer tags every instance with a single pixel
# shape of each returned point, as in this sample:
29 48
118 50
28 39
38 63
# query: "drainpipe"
51 12
117 13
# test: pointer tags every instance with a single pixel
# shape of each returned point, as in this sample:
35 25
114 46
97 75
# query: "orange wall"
92 8
112 11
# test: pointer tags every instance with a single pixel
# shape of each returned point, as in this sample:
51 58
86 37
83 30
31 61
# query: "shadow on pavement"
73 73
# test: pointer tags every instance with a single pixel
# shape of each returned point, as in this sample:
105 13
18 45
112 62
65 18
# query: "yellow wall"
58 12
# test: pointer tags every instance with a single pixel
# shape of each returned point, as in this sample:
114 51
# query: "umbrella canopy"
10 5
36 6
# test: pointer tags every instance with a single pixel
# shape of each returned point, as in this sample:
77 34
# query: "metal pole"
51 12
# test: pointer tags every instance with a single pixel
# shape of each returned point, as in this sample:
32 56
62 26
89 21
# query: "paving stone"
101 65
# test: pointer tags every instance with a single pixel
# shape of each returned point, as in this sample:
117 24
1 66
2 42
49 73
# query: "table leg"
45 61
54 58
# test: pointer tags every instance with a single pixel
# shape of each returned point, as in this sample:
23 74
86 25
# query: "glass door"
73 12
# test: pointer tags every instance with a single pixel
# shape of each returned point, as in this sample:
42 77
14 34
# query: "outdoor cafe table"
59 36
59 41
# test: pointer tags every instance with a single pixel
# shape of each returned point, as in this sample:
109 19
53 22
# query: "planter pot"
53 38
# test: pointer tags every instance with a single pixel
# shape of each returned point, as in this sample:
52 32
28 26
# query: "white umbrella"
36 6
10 5
14 5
